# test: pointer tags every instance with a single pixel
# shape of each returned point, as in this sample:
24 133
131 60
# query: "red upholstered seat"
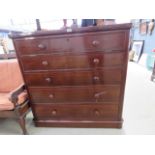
6 104
10 75
14 101
10 79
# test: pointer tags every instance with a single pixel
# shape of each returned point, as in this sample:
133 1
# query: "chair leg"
22 125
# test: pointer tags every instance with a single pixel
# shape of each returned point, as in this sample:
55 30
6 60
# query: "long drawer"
68 61
74 77
92 41
76 112
96 93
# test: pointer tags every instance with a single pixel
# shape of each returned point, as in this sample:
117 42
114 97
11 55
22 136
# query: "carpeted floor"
138 113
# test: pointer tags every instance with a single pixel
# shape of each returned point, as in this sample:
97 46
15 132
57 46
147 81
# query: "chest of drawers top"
75 31
105 39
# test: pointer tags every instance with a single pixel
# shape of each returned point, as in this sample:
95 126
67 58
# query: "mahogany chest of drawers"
75 77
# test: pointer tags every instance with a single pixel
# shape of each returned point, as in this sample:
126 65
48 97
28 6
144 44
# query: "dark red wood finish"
72 43
70 60
75 78
77 112
98 93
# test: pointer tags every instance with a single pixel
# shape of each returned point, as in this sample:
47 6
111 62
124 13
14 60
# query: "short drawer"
107 42
76 112
69 61
74 77
97 93
42 45
104 41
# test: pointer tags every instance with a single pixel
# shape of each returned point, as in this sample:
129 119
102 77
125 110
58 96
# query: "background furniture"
153 73
8 56
75 77
13 96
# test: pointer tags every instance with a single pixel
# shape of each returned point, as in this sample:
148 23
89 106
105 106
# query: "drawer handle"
95 43
51 96
96 78
68 39
98 95
45 63
41 46
54 112
48 80
96 61
96 112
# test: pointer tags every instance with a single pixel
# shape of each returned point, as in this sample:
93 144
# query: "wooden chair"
14 101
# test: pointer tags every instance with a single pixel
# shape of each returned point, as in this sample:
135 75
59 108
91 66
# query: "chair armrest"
13 96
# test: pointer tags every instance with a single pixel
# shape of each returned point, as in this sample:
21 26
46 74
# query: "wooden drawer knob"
96 78
95 43
68 39
54 112
48 80
45 63
41 46
96 61
51 96
96 112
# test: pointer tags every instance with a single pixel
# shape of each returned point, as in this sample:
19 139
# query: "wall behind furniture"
149 40
147 58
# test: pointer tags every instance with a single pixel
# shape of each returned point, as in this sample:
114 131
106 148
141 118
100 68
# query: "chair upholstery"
14 101
10 77
6 104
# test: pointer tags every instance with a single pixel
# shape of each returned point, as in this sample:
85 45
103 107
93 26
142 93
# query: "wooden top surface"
70 30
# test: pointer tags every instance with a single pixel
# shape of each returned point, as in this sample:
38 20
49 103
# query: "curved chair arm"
13 96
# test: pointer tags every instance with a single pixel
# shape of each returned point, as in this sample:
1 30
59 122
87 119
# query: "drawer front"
72 43
99 41
31 45
97 93
68 61
79 77
42 45
76 112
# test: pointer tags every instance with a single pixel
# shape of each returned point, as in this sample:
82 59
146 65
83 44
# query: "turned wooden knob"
68 39
96 61
48 80
45 63
54 112
41 46
96 112
95 43
96 78
51 96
